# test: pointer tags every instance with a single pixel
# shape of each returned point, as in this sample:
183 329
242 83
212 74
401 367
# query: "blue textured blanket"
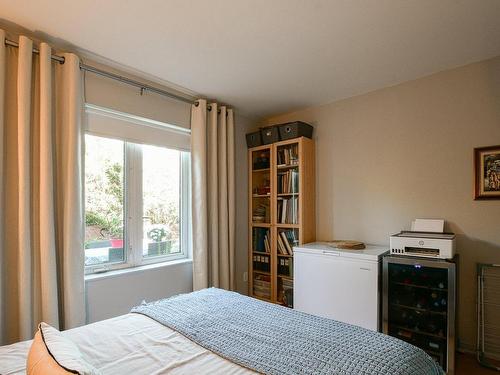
271 339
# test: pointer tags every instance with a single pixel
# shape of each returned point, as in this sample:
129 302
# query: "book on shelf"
262 286
291 235
288 182
281 246
286 243
288 210
288 155
261 263
260 213
287 292
260 239
267 244
285 267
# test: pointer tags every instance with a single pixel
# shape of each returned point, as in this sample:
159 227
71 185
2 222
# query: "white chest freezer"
339 284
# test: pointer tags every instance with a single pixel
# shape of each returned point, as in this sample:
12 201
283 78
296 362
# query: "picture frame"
487 172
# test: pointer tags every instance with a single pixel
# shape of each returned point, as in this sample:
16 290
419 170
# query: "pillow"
52 353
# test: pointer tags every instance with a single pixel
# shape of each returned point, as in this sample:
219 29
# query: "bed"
218 332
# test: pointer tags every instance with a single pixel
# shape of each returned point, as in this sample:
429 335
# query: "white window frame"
133 204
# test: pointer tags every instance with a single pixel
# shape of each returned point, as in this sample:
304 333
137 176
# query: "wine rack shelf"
419 301
418 309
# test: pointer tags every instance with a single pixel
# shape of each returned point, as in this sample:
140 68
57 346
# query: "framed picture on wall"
487 172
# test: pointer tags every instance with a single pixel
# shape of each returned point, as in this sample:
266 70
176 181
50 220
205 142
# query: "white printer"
426 239
423 244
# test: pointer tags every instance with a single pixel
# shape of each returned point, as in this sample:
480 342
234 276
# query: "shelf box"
254 139
270 134
295 129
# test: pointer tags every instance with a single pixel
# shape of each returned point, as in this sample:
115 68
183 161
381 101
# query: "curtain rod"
11 43
143 87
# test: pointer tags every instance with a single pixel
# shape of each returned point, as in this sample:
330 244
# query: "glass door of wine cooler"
419 305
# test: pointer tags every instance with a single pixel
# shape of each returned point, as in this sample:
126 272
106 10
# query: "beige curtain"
212 160
41 220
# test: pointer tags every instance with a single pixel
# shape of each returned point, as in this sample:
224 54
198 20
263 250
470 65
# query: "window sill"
144 268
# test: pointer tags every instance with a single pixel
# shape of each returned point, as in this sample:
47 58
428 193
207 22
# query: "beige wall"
243 126
122 97
404 152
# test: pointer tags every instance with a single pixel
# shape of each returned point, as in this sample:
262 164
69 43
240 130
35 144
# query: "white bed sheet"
131 344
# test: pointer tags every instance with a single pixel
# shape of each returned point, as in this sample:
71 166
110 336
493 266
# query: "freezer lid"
371 252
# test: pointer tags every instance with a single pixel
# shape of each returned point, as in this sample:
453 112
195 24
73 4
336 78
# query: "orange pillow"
40 362
51 353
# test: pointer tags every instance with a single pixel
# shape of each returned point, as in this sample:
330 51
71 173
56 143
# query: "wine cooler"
419 301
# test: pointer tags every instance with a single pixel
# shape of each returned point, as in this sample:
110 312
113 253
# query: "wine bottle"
434 345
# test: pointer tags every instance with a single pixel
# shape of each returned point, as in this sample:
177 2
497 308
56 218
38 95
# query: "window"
160 201
104 200
136 200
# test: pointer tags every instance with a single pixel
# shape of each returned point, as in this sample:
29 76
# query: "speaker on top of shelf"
295 129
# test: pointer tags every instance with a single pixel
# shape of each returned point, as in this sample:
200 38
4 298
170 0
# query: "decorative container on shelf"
295 129
261 161
282 132
270 134
254 139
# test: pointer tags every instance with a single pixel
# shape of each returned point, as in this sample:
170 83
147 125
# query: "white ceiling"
269 56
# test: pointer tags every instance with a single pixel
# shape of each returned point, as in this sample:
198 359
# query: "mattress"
131 344
273 339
